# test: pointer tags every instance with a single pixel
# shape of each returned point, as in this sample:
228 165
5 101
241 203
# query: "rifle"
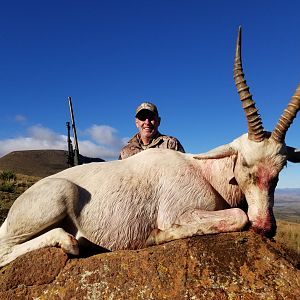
76 150
70 160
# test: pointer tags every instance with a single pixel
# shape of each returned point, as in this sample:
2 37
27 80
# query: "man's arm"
174 144
180 147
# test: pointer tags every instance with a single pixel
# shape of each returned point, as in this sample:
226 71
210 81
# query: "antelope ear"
219 152
232 180
293 155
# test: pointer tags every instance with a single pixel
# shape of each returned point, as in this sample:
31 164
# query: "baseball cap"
147 106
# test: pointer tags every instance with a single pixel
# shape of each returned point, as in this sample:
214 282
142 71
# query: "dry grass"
288 234
10 190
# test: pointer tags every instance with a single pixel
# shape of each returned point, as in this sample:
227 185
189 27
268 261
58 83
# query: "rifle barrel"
76 150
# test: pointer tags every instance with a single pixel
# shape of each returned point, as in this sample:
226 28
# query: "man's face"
147 123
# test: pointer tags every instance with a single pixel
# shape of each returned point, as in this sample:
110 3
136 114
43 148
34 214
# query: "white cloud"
38 137
20 118
103 141
40 133
88 148
105 135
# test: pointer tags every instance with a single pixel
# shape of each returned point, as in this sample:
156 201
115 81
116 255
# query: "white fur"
152 197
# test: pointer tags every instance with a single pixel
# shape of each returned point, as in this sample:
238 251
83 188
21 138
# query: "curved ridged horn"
287 117
255 126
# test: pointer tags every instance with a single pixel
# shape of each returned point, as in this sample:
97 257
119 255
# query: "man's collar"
153 142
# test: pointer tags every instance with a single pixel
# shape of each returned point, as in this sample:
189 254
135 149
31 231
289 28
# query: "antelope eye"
253 178
244 163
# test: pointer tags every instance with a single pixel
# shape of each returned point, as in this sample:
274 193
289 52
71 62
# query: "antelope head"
261 155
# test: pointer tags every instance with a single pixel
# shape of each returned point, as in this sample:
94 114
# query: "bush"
7 187
8 176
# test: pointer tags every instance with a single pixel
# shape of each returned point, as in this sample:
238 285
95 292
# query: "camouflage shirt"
135 145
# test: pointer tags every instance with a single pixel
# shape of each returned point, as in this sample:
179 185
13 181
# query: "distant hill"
288 191
39 163
287 195
287 204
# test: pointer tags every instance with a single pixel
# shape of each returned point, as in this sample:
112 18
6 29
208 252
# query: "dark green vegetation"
7 179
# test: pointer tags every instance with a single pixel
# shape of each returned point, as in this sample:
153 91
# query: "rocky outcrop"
224 266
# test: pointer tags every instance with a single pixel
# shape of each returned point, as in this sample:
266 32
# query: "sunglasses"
143 116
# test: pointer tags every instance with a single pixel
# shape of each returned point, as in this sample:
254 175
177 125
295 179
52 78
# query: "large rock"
224 266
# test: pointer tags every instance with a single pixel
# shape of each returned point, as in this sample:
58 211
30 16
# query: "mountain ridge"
39 163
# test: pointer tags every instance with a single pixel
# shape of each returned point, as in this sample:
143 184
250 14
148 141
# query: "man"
147 120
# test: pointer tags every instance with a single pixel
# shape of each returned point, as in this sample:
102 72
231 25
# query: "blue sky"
109 56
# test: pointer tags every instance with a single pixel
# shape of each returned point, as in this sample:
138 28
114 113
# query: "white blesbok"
157 195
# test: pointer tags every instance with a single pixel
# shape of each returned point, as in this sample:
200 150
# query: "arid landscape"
287 204
287 213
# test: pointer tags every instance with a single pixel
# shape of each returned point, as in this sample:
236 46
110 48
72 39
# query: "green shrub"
7 187
8 176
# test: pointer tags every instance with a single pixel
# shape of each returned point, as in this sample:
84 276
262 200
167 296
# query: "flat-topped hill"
39 163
